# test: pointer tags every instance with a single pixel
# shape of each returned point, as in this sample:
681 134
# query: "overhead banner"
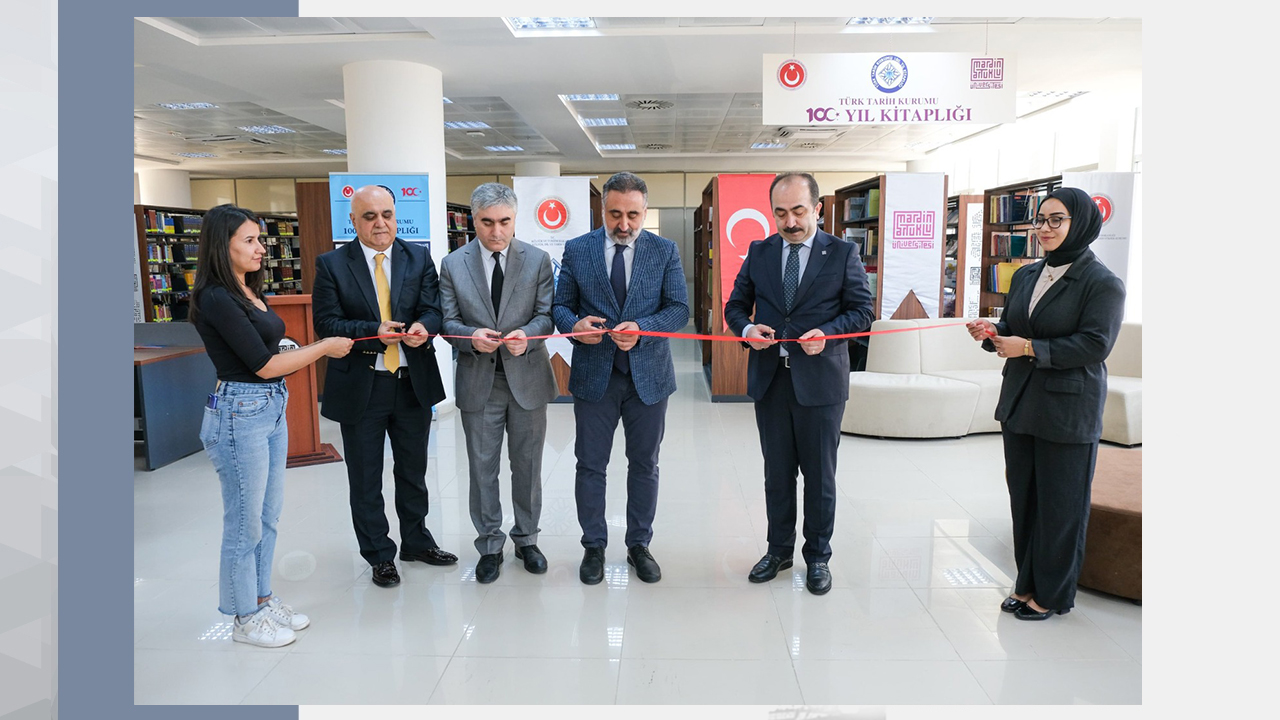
970 273
909 88
1113 193
549 212
744 217
915 206
413 212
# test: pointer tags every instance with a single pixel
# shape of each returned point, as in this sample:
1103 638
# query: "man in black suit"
802 284
384 387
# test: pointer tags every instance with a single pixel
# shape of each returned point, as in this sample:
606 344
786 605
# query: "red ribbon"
680 336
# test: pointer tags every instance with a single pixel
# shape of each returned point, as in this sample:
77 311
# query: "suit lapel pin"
824 252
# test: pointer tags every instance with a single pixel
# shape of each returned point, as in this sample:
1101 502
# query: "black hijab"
1086 223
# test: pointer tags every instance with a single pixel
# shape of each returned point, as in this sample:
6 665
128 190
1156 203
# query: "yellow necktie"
391 356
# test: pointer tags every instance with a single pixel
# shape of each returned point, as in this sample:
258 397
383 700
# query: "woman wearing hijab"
244 431
1060 319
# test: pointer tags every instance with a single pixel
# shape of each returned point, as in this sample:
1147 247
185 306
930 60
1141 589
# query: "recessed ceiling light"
339 103
335 152
603 122
551 23
504 148
195 155
266 129
890 21
447 100
767 146
475 133
187 106
624 146
466 125
585 98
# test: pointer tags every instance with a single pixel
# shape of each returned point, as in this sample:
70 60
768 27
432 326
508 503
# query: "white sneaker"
285 615
261 629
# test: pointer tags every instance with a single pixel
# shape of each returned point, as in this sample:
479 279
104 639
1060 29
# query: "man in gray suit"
497 291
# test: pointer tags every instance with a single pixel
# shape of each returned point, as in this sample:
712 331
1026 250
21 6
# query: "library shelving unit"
1006 237
857 209
284 254
460 224
827 223
168 244
958 262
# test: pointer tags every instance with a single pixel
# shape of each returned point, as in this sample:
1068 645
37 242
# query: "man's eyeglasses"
1054 221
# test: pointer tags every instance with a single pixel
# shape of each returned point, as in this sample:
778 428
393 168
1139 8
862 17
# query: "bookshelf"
169 245
961 258
461 226
856 211
1007 238
828 219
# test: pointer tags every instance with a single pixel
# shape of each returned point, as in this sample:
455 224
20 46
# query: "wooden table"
170 386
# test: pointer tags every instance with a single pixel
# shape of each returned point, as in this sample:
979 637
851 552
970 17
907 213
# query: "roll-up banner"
1113 193
914 223
551 211
413 209
970 253
896 88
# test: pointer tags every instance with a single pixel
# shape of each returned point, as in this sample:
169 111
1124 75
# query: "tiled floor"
922 558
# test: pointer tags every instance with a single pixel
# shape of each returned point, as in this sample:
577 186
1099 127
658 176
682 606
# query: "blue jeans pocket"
210 427
251 406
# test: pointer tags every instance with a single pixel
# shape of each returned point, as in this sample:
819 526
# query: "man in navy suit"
802 284
384 387
620 277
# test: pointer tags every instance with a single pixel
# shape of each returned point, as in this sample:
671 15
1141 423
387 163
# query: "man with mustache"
620 277
799 284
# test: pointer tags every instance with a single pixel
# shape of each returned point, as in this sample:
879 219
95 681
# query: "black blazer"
1059 394
833 296
344 303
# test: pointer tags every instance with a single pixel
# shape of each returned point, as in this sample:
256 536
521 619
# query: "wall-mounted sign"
413 214
835 89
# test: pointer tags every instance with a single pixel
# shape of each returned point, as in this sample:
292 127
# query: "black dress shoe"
646 567
534 561
385 574
592 570
1026 613
1011 604
488 568
767 569
430 556
818 579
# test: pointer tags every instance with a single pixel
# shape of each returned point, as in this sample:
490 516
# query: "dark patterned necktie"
495 283
618 279
791 277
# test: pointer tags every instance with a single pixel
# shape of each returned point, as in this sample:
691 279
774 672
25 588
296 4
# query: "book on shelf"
856 235
1015 244
873 202
1015 207
1002 275
995 311
855 208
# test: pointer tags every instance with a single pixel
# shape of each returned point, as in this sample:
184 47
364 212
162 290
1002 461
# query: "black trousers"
393 411
798 438
643 427
1049 491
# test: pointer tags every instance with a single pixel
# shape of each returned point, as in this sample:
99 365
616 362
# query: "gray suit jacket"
527 290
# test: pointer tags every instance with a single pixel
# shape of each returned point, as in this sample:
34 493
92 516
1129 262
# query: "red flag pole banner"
678 336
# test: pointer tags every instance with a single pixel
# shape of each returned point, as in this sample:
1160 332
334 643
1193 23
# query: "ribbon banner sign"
1113 193
909 88
745 217
551 211
413 214
914 221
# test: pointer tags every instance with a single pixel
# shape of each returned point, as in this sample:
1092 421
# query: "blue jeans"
247 439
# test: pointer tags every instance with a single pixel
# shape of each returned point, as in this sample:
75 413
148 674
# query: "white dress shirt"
370 256
805 248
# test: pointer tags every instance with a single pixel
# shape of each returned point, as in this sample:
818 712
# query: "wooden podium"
303 414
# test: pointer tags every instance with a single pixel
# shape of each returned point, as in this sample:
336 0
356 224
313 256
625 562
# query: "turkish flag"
744 215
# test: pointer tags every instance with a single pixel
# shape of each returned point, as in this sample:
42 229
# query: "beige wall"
209 193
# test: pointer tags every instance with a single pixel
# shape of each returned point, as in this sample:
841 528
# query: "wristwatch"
1026 349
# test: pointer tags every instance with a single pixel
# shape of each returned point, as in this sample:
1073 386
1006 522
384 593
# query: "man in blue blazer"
802 284
620 277
384 388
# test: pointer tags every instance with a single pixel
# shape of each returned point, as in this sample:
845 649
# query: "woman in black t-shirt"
244 430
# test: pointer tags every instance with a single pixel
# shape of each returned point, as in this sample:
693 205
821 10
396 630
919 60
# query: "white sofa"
927 382
1122 415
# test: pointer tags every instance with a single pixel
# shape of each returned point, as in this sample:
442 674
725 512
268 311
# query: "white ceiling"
288 71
